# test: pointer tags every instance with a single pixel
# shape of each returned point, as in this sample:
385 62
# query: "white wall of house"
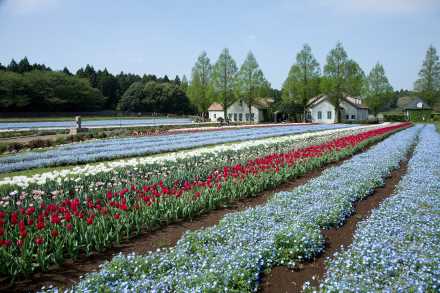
238 112
352 113
214 115
323 112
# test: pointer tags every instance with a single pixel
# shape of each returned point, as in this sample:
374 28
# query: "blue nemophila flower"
397 249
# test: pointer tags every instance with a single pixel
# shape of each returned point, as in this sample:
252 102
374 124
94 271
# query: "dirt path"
281 279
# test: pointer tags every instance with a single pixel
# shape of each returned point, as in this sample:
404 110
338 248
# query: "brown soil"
281 279
71 270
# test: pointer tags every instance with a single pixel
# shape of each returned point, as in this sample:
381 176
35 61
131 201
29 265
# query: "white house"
321 110
239 111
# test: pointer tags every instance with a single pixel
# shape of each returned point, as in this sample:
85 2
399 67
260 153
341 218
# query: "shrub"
394 117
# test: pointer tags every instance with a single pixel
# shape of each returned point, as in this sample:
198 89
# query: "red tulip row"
30 237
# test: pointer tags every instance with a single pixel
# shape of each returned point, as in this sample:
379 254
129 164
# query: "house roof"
413 105
261 103
350 100
215 107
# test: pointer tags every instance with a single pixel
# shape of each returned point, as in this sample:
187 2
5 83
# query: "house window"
215 115
319 115
240 116
329 115
247 116
241 103
230 116
347 117
235 116
252 116
353 117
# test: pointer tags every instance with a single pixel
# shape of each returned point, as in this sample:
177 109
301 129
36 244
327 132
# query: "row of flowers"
126 172
91 151
397 249
232 255
35 236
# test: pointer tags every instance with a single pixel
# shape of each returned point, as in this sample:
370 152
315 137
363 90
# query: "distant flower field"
91 151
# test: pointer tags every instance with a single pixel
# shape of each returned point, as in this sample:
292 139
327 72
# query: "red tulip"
117 216
55 219
39 240
89 220
54 233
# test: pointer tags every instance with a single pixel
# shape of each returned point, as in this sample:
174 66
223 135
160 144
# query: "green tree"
342 76
109 87
428 83
13 66
377 89
13 92
89 73
223 79
66 71
251 83
199 90
184 83
24 66
131 99
302 83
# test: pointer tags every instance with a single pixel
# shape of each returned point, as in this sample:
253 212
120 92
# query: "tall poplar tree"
198 91
223 79
342 76
377 89
428 83
302 83
251 82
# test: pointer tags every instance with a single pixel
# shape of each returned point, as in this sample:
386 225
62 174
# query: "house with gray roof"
418 110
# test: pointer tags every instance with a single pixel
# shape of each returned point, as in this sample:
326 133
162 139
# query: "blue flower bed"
233 255
397 249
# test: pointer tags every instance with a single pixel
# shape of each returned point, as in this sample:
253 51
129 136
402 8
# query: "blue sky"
165 37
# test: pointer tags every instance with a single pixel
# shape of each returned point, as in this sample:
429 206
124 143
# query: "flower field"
232 255
162 164
43 224
91 151
397 249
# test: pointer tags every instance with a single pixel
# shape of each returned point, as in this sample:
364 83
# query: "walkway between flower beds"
283 279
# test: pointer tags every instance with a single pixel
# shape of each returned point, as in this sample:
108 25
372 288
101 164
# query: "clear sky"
165 37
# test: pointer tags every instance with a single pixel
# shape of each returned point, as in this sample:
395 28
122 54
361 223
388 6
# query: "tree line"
36 87
26 87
